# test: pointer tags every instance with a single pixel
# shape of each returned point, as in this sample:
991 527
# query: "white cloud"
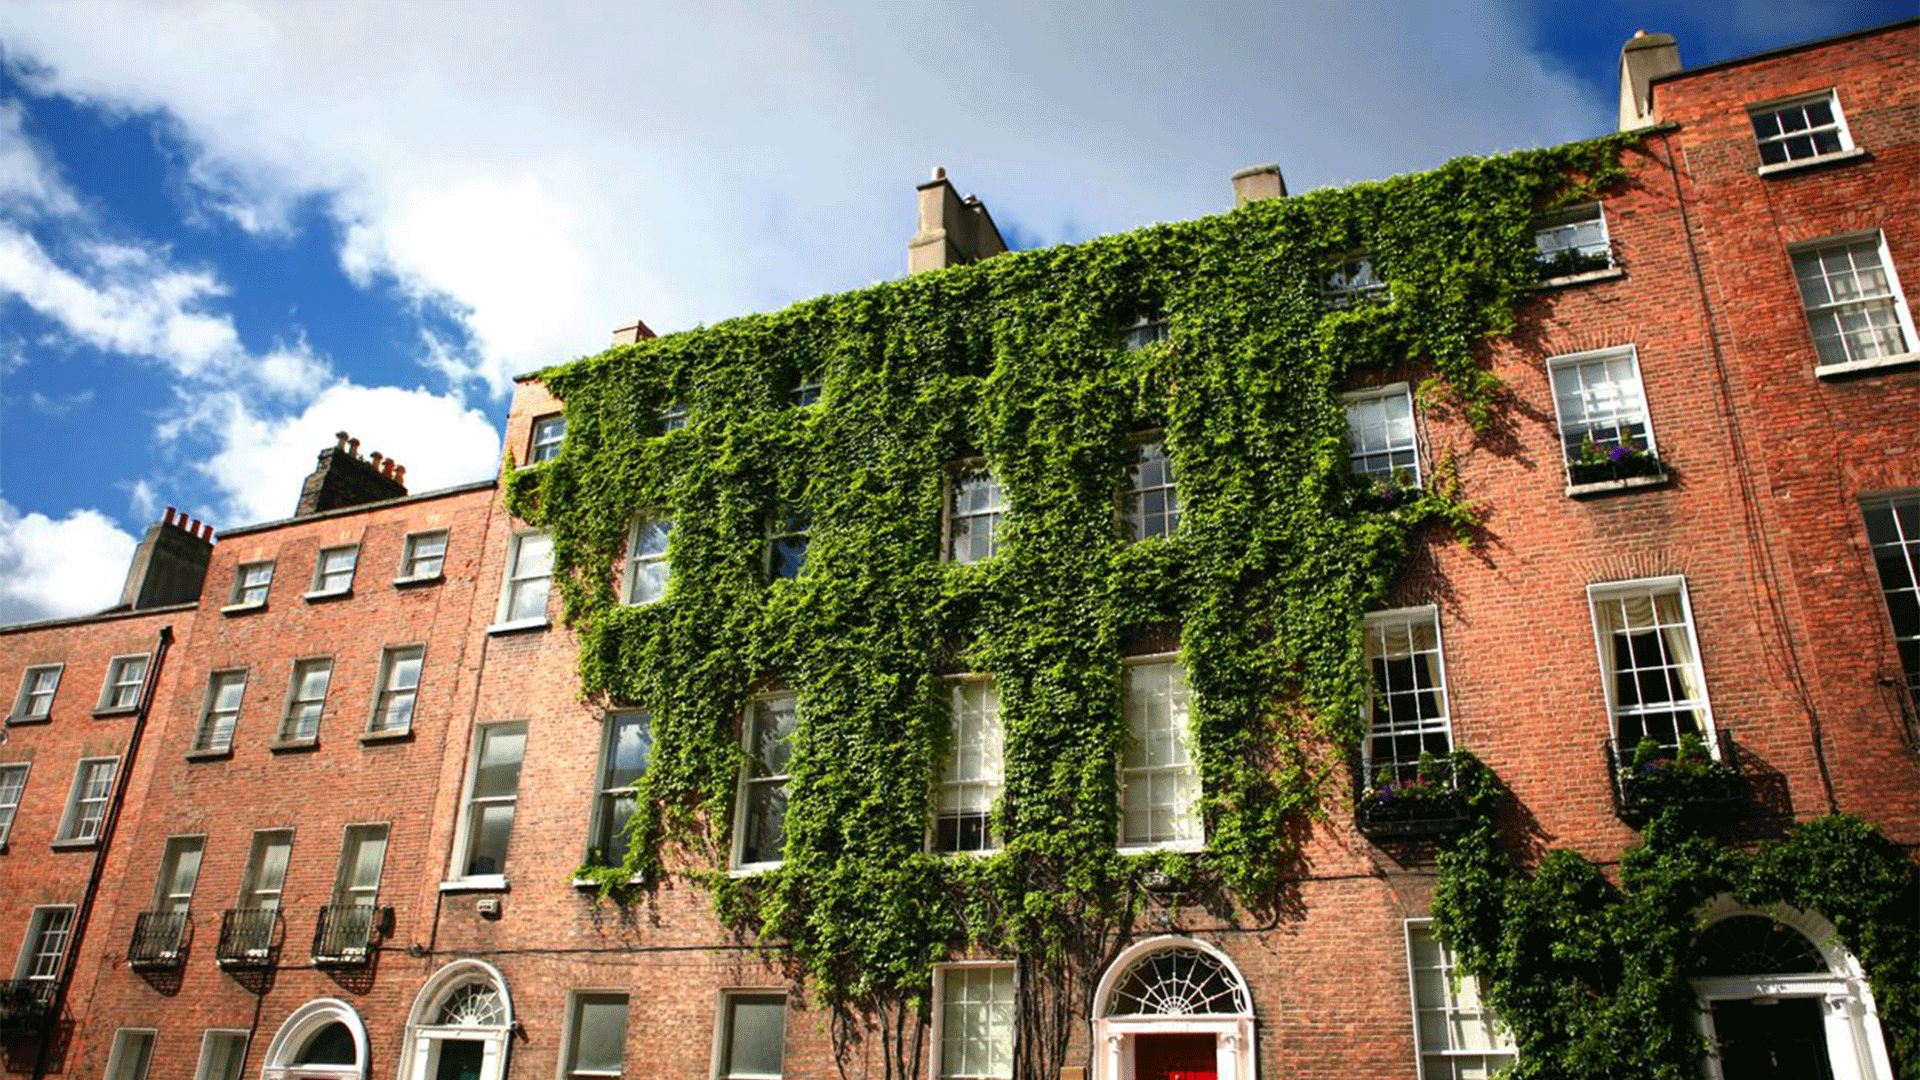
143 501
29 185
51 567
543 172
59 404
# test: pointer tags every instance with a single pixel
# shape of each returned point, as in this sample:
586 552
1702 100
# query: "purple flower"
1619 454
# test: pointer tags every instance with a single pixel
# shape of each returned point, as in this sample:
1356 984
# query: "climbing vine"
1019 360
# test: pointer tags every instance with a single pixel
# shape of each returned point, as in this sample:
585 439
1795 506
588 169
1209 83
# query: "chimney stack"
341 477
1256 182
633 332
170 565
953 231
1644 58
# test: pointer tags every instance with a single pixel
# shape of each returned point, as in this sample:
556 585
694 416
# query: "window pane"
756 1034
491 826
223 1055
599 1033
498 772
132 1053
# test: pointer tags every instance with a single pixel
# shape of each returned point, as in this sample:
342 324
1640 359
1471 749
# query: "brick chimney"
170 565
1256 182
953 231
343 478
635 331
1644 58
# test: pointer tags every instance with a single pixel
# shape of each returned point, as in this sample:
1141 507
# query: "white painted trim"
302 1023
1608 589
939 1000
420 1052
1236 1049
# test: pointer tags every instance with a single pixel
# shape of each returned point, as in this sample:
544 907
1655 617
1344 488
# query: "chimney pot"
340 440
952 231
168 519
353 447
939 173
400 474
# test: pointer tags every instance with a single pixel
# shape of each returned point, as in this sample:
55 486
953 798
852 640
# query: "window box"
1595 466
1401 804
26 1006
346 935
1653 775
159 940
248 937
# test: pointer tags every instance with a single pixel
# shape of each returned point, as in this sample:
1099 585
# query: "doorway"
1175 1057
459 1060
1779 1039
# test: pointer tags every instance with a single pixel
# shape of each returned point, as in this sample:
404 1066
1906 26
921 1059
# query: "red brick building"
369 774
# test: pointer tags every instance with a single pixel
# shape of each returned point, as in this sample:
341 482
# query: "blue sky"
228 230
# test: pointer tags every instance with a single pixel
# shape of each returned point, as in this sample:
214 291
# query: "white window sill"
1854 367
476 883
1165 845
977 853
210 753
77 843
589 883
397 734
419 579
107 711
1607 487
321 596
752 869
244 609
518 625
1808 163
43 718
285 746
1561 282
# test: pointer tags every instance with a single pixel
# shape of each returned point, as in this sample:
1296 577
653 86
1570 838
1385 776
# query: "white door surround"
302 1025
466 1001
1172 985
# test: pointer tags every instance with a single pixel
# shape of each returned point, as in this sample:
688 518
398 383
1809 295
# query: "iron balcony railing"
159 939
1407 800
248 937
26 1006
1667 776
348 933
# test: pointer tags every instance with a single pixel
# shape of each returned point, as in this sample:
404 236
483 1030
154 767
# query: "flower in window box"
1614 460
1429 793
1384 491
1676 774
1570 261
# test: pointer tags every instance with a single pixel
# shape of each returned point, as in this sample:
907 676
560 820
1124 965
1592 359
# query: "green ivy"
1019 359
1591 976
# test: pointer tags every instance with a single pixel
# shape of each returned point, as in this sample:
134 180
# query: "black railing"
348 933
248 937
26 1006
159 939
1408 800
1670 774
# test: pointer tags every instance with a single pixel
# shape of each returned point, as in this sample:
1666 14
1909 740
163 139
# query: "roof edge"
112 614
359 508
1769 54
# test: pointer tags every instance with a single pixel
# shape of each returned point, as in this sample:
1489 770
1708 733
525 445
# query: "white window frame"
993 514
166 898
546 437
411 556
20 713
936 1036
807 388
203 734
1375 624
515 580
1353 280
321 572
119 1064
673 417
353 839
117 679
1198 841
464 832
637 561
244 585
259 889
10 810
204 1071
1453 981
386 692
786 525
607 793
1375 395
1907 546
1568 220
1145 331
746 783
74 820
993 777
295 702
1799 101
723 1030
32 945
1895 298
1631 353
1601 592
1134 489
570 1034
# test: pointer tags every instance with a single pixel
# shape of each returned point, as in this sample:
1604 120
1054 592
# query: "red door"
1174 1057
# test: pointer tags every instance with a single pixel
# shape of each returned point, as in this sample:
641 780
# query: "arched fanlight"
1179 981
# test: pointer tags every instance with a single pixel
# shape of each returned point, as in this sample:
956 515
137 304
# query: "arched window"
1755 945
460 1024
323 1038
331 1045
1173 1005
1179 982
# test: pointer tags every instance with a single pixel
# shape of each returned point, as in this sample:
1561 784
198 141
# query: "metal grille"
1179 982
158 938
1756 945
247 936
347 932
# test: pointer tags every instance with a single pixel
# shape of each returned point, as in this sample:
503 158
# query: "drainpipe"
121 781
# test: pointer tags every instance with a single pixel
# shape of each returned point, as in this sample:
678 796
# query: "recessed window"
131 1055
760 824
125 677
673 417
1144 331
306 699
1602 410
159 938
13 784
1651 662
1893 530
225 689
351 923
1352 282
1150 503
806 391
788 533
333 570
1455 1036
37 688
223 1056
647 566
1853 300
529 570
1381 433
251 931
973 516
973 1015
623 761
549 435
45 948
596 1034
250 583
493 791
1801 130
752 1036
425 556
399 688
1573 241
87 802
974 772
1409 709
1159 780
